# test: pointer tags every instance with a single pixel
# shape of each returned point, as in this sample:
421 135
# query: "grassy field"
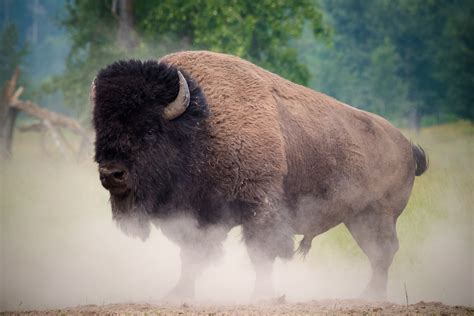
60 247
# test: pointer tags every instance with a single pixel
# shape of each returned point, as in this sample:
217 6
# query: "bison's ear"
92 92
181 103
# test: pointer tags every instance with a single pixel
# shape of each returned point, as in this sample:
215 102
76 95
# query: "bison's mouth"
119 192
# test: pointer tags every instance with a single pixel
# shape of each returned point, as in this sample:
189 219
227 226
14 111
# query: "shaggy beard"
131 218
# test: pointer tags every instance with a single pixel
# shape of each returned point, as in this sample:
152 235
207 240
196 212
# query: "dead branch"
50 122
55 136
46 115
35 127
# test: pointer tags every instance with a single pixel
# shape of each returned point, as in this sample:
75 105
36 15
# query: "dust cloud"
61 248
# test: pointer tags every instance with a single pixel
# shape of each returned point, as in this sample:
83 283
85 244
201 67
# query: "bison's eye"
150 134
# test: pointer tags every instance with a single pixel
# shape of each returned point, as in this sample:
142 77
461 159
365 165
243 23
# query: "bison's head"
147 118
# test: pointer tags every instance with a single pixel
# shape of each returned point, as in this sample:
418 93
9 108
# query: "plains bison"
198 142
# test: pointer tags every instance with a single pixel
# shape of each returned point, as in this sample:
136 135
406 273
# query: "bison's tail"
421 159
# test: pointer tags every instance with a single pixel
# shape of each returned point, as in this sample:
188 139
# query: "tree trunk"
126 36
7 123
414 118
7 117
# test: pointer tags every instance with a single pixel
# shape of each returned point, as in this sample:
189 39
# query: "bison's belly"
313 198
322 191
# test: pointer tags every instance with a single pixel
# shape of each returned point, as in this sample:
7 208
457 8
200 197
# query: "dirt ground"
277 307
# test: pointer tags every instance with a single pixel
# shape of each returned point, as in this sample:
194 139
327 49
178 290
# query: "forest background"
409 61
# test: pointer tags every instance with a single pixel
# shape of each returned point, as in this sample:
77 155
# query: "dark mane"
125 87
130 97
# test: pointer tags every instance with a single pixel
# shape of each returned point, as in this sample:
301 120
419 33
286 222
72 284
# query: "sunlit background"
409 61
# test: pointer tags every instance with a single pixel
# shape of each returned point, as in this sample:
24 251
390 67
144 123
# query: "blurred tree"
126 36
389 91
455 59
92 29
260 31
401 59
12 55
48 45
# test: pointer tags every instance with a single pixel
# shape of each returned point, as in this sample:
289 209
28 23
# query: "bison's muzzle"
114 178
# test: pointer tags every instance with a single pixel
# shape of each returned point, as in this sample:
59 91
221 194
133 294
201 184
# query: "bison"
199 142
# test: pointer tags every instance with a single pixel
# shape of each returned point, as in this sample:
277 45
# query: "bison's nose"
113 178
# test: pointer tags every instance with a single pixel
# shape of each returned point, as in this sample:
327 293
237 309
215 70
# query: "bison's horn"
181 103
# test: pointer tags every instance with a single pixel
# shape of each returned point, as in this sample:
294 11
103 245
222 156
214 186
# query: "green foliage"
398 58
390 92
456 55
255 30
12 53
259 31
410 61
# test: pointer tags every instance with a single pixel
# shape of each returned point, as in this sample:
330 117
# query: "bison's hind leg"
375 233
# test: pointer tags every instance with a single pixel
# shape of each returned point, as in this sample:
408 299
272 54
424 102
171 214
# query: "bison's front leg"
199 246
268 235
193 261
